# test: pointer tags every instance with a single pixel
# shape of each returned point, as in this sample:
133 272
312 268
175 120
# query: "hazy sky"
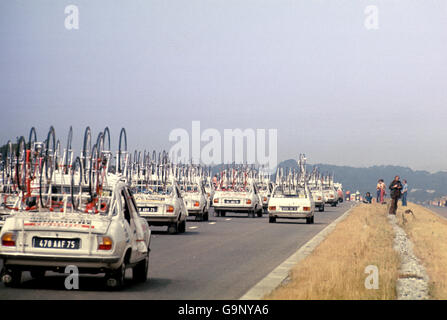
336 91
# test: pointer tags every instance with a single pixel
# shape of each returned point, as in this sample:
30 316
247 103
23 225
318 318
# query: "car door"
129 223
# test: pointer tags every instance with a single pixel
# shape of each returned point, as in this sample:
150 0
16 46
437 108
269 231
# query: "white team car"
240 198
291 203
104 235
318 197
330 195
196 200
264 194
163 205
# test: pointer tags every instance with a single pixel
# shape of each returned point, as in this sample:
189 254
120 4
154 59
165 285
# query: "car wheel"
205 216
115 279
310 220
11 277
139 272
182 227
260 213
272 219
173 228
321 208
223 213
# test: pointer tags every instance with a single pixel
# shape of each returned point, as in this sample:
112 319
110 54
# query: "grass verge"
336 268
428 232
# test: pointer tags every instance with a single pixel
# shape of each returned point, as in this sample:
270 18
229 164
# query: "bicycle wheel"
44 188
106 135
68 150
76 184
122 148
31 147
86 148
49 153
20 171
93 175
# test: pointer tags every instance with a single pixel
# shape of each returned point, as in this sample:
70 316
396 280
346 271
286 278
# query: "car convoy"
95 210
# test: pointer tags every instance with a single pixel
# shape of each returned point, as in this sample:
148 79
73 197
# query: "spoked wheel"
44 187
20 172
31 147
50 153
86 149
122 149
76 184
68 151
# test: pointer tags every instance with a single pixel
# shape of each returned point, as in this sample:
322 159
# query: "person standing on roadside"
395 187
382 191
379 189
404 193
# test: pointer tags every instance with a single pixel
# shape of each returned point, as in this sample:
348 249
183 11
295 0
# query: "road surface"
219 259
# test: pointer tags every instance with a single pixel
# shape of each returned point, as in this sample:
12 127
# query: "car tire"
272 219
205 216
16 277
310 220
334 204
222 213
182 227
139 272
259 213
321 208
173 228
115 279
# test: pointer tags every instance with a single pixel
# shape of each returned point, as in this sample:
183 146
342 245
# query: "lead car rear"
74 213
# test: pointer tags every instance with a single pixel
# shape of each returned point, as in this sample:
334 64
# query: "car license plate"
56 243
289 208
233 201
149 209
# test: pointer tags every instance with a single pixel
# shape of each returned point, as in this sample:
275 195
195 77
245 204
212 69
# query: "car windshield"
236 188
189 188
59 198
164 190
288 192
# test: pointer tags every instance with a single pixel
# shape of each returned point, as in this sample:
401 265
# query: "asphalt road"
442 211
219 259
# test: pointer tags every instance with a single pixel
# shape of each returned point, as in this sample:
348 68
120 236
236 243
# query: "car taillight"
105 243
9 239
170 209
216 200
273 208
319 198
265 199
248 201
306 208
196 204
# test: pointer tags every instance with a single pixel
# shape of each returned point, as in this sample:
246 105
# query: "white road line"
212 223
228 219
195 227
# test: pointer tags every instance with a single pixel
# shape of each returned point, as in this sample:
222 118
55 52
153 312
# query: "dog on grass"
408 211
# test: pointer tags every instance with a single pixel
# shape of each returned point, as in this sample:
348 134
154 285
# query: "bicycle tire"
20 172
123 135
86 148
75 169
68 150
49 153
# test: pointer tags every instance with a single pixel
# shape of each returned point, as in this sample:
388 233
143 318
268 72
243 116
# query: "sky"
335 90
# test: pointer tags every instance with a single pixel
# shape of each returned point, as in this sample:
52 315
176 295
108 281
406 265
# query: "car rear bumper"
40 260
295 215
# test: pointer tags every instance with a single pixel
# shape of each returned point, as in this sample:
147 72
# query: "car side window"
133 206
125 206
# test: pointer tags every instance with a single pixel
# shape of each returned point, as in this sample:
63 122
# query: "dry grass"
428 232
336 268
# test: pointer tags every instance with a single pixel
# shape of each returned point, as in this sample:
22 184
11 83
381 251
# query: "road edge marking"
275 278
